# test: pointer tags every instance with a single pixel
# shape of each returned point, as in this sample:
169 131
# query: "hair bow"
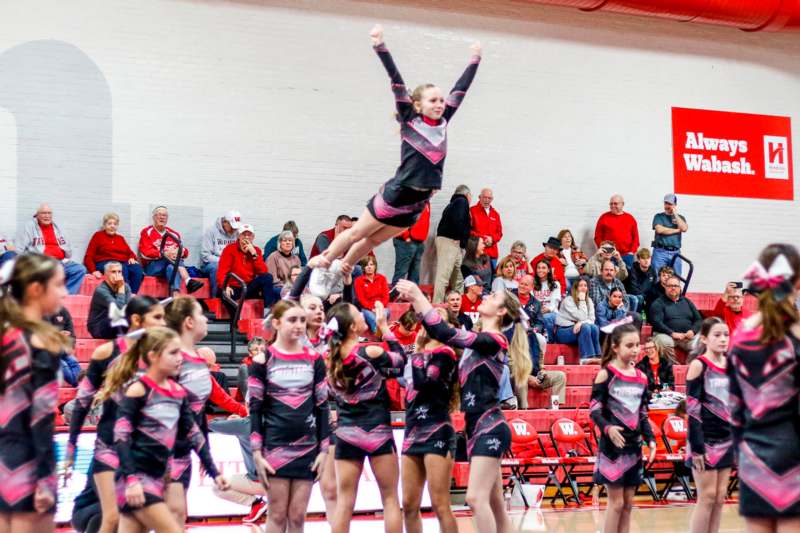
117 316
330 329
166 301
611 326
7 270
136 334
775 279
267 322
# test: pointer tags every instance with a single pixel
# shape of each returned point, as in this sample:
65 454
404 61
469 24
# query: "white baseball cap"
246 227
234 218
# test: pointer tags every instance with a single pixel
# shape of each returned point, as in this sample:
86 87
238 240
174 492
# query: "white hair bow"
7 270
762 279
330 328
135 335
117 316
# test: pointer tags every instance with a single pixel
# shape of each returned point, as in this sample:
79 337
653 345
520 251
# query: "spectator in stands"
619 227
675 319
451 239
409 247
730 306
548 291
108 245
571 256
272 243
293 274
405 328
453 303
7 249
43 236
575 323
612 309
472 297
281 261
659 289
257 345
112 290
552 248
657 366
504 279
208 354
70 368
154 263
600 286
669 227
216 237
642 277
486 224
519 251
371 287
244 259
325 238
476 262
607 252
537 328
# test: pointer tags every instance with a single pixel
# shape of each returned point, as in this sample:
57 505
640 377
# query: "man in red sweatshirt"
730 306
244 259
486 224
619 227
156 264
409 247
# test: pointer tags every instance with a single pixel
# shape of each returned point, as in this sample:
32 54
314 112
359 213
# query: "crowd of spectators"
569 296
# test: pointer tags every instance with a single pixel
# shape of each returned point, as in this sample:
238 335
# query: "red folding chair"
527 452
574 451
674 433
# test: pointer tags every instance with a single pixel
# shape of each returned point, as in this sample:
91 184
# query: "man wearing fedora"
550 255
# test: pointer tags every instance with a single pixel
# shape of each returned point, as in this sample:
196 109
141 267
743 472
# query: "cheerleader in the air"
424 115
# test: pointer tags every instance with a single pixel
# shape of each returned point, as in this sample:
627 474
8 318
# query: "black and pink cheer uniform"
765 415
289 411
479 371
620 400
27 414
430 376
364 423
710 416
422 151
145 434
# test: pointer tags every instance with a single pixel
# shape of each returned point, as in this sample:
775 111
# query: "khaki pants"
243 490
553 379
448 268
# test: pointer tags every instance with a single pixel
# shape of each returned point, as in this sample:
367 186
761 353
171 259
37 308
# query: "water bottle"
560 360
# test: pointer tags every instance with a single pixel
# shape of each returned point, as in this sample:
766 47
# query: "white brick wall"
281 110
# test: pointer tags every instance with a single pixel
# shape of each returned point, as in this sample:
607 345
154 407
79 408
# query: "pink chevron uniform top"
764 395
620 400
709 415
27 412
424 145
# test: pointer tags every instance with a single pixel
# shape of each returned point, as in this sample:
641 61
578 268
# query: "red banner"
718 153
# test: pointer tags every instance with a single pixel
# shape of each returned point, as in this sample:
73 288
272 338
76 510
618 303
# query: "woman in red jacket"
371 287
107 245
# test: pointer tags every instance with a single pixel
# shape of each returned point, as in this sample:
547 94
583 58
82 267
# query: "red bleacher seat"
77 305
89 285
84 348
576 396
577 374
158 288
79 323
570 353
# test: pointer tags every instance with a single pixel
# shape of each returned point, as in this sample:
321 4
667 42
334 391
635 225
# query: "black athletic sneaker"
193 285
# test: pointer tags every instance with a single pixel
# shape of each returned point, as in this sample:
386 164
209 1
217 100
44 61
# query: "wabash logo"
776 157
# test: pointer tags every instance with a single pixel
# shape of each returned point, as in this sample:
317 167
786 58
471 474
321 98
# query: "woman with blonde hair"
108 245
571 257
